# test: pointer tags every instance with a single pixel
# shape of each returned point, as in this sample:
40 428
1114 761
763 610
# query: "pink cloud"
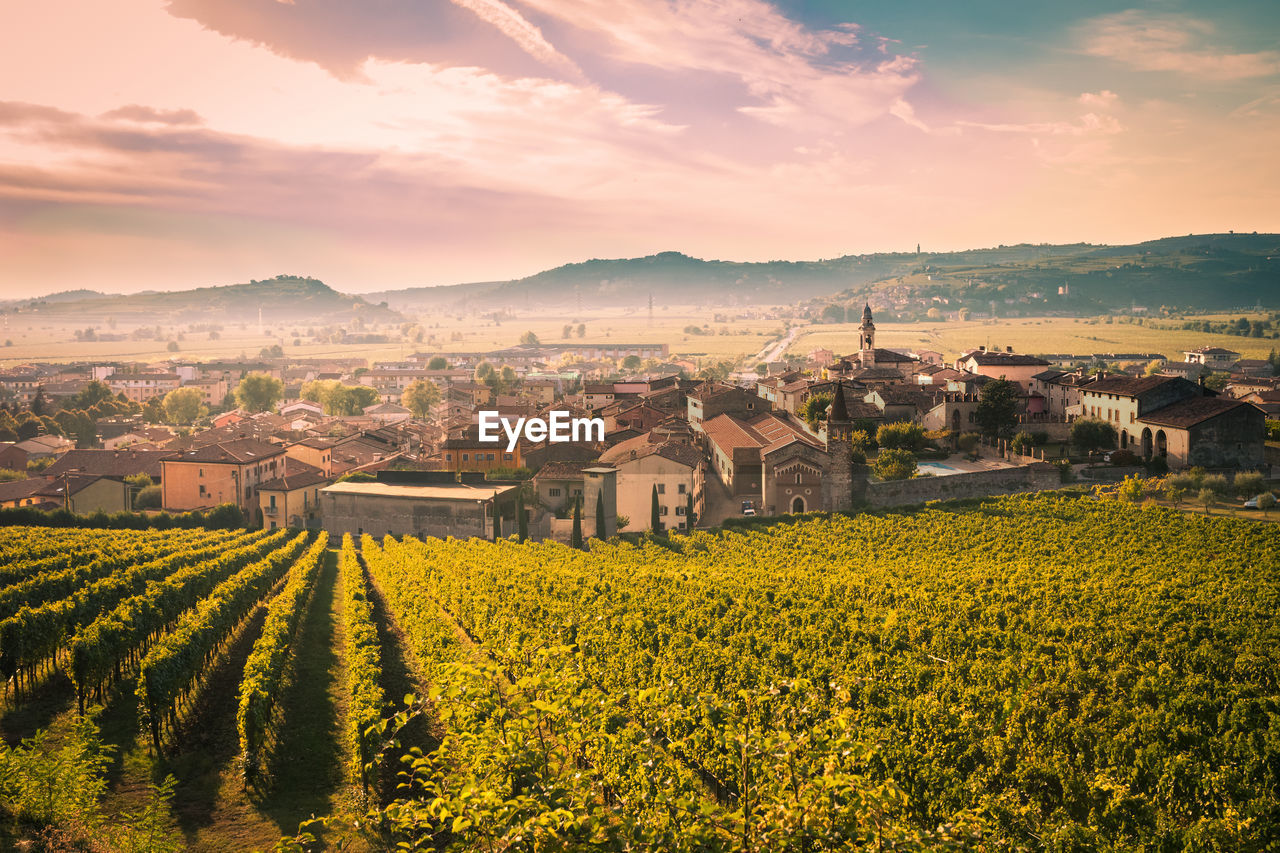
1171 42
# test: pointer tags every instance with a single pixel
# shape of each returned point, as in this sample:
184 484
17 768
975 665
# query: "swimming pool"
937 469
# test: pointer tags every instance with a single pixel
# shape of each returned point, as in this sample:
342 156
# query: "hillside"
1216 271
676 278
283 298
1212 272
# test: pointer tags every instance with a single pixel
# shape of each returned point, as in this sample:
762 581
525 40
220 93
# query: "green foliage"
8 476
901 435
1092 434
529 339
148 497
998 407
364 667
814 409
894 464
1216 483
1273 430
437 362
803 688
338 399
1024 443
1248 484
575 535
175 662
183 406
655 512
259 392
1133 489
1266 501
265 671
420 397
357 477
51 783
968 441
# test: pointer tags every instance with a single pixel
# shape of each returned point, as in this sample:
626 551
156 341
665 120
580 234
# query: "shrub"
902 435
148 498
894 464
1248 484
968 441
1124 458
1023 443
1215 483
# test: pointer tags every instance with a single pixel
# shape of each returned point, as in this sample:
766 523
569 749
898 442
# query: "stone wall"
1024 478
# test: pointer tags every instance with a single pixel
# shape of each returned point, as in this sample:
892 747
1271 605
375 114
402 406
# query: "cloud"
530 39
792 76
1170 42
139 113
1104 100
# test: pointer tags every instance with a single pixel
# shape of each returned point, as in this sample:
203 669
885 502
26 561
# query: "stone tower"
838 478
867 338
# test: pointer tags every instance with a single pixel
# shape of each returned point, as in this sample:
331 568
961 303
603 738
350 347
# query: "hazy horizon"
170 145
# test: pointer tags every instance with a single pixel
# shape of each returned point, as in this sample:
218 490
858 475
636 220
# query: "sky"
167 144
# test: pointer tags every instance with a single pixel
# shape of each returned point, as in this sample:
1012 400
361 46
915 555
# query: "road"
775 350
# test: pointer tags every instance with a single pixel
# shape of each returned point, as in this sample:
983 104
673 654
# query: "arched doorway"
955 420
1146 443
797 505
1124 439
1162 444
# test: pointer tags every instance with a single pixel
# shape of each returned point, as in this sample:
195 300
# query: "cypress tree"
497 523
601 529
575 539
688 510
655 519
522 518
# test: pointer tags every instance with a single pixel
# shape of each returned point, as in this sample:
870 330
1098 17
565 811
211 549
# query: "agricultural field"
1030 335
1048 672
41 339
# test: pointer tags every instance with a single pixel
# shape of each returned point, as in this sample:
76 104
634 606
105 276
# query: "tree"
901 435
1090 434
421 397
437 362
1133 489
259 392
39 403
497 523
602 529
814 409
690 516
1023 443
1248 484
833 314
1175 494
655 514
150 497
894 464
997 410
1207 497
575 537
632 362
1266 501
183 406
1215 483
968 441
522 517
172 347
529 339
90 395
582 330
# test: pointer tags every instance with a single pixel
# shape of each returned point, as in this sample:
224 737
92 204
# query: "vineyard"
1040 672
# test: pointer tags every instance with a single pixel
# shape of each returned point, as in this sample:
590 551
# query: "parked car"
748 508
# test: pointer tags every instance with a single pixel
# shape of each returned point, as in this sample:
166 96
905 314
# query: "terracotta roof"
1188 413
297 475
240 451
728 433
1127 386
1005 359
112 463
561 471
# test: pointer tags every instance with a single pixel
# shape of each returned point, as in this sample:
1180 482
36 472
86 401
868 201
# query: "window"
662 510
662 488
680 489
464 457
273 502
680 510
201 470
555 493
506 455
577 493
202 491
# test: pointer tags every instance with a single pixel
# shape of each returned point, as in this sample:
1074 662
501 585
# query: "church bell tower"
867 338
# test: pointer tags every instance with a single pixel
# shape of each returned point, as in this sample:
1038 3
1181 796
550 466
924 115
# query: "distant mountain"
284 298
1196 271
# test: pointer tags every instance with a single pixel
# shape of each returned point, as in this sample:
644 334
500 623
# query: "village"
396 447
